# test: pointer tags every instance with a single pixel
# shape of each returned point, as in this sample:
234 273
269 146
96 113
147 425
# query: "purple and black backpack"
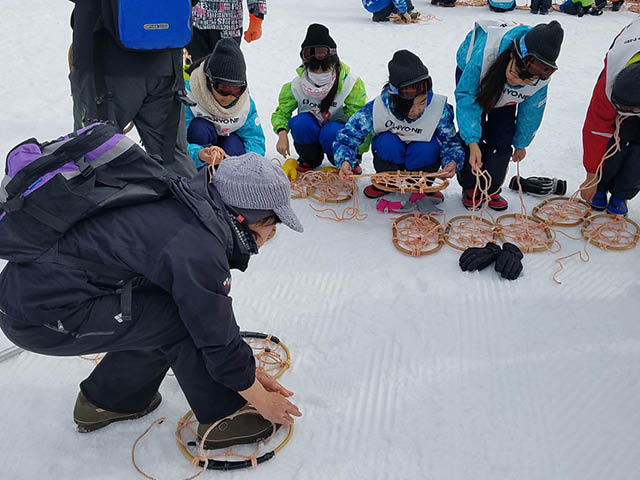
48 187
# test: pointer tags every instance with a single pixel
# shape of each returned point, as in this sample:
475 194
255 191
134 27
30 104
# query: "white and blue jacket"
469 113
361 125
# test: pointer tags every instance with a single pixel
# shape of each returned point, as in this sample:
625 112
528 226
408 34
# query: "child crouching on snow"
582 7
325 93
616 98
412 127
225 115
401 11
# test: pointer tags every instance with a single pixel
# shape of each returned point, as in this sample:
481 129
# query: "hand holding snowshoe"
345 172
478 258
509 261
449 171
269 401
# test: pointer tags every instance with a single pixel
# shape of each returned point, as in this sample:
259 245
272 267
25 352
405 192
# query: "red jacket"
600 122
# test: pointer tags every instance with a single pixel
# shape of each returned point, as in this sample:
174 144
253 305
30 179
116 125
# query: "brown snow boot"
88 417
244 426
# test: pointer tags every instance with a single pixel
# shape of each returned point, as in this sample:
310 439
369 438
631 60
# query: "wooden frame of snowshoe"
324 187
600 243
266 359
481 242
409 182
537 209
400 243
499 229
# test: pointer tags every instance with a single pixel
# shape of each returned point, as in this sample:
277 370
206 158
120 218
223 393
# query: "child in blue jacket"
412 127
225 115
502 77
381 10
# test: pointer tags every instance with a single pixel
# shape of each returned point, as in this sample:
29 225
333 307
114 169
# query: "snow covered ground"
404 368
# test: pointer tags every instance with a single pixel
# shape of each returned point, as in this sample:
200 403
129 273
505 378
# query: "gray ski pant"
147 101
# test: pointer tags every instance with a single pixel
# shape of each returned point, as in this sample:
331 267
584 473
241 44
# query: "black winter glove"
509 261
539 186
477 258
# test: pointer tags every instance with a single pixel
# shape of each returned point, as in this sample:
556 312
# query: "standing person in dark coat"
140 87
181 251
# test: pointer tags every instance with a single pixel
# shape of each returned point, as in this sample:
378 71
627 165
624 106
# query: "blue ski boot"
599 201
617 206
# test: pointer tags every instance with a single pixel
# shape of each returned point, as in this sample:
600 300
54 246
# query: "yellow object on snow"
330 169
290 167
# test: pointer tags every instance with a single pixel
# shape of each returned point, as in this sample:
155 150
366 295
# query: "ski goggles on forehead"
319 53
409 92
531 64
226 90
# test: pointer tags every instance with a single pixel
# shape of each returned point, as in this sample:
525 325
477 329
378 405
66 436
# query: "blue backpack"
148 24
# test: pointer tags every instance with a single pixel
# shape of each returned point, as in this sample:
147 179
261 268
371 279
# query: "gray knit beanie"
250 181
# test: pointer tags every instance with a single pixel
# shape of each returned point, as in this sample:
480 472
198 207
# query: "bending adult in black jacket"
183 249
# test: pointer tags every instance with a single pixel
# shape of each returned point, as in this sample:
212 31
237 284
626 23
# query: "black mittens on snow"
508 259
478 258
539 186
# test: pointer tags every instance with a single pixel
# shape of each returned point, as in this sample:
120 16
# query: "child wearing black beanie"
325 93
412 128
613 118
223 115
501 92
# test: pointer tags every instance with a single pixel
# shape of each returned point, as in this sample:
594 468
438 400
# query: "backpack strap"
103 96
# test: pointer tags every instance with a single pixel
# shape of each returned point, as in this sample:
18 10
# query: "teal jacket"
250 133
469 113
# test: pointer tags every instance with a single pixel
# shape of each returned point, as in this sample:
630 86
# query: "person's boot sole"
86 427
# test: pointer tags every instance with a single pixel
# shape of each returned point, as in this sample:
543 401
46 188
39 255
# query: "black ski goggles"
318 52
413 90
226 90
529 64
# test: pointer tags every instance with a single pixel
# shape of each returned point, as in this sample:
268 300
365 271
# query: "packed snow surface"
404 368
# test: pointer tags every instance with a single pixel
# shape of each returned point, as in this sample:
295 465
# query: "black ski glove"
477 258
509 261
539 186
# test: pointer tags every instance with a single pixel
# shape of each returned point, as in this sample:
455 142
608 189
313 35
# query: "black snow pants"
140 352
